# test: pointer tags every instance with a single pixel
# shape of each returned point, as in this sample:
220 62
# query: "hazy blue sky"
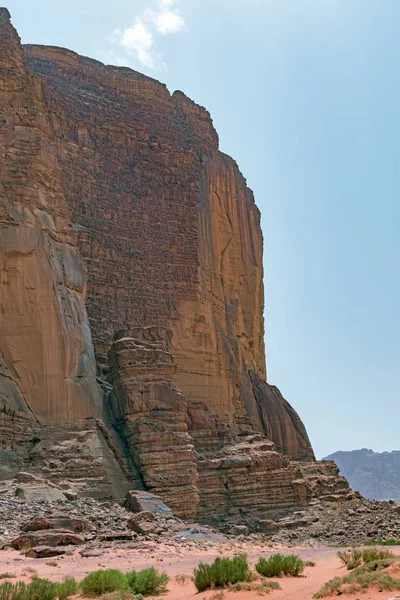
305 96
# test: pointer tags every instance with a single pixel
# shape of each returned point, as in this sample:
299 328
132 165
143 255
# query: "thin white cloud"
169 22
138 43
138 40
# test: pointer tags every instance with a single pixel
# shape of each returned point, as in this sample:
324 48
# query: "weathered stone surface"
324 482
239 530
81 461
246 479
168 229
48 368
48 551
75 524
138 502
39 493
151 414
267 526
52 537
144 523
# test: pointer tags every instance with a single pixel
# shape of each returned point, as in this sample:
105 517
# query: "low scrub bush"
351 559
135 585
147 582
277 565
67 588
103 582
222 573
38 589
41 589
361 579
355 558
6 591
376 554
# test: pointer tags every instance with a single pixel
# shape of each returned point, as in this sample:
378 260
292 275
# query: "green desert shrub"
38 589
376 554
351 558
278 564
67 588
355 558
222 572
147 582
361 579
41 589
6 591
103 582
203 577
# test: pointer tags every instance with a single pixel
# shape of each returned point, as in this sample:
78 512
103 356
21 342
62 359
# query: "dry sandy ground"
177 561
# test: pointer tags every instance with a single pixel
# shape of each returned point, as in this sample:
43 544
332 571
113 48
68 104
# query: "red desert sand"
176 561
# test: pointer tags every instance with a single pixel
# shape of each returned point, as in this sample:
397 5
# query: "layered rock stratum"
131 249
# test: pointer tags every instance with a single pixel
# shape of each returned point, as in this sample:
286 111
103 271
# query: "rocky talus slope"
131 248
43 520
376 475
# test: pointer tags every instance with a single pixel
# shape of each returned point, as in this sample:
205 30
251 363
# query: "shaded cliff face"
168 229
375 475
281 422
47 368
167 226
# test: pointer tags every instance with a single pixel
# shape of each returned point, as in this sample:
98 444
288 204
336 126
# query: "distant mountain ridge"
375 475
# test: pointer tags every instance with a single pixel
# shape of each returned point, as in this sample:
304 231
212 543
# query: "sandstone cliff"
115 200
47 363
45 343
168 229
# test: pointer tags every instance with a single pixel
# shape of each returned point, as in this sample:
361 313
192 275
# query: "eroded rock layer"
151 414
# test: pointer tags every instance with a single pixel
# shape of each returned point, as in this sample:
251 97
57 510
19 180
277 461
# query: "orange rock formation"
114 192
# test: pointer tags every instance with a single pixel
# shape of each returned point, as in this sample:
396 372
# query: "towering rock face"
48 368
169 231
108 179
48 390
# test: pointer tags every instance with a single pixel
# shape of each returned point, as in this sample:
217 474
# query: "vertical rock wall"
152 416
45 342
106 160
167 227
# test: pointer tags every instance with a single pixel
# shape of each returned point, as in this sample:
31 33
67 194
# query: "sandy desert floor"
177 561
